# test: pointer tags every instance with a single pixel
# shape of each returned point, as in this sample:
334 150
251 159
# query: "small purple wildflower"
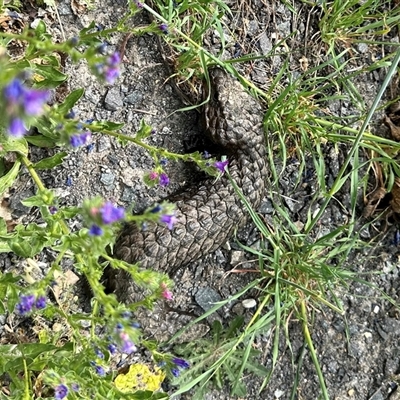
75 387
34 100
70 115
112 348
26 303
22 103
53 210
163 28
175 372
14 91
119 327
99 353
16 127
221 165
80 139
60 392
100 370
180 362
138 4
170 220
206 154
164 180
126 314
111 213
135 325
40 302
111 75
102 48
128 347
95 230
114 60
163 162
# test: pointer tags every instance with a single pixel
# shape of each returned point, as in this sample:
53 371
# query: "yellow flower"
139 377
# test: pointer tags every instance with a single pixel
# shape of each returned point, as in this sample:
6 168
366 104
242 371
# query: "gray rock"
206 298
113 100
107 178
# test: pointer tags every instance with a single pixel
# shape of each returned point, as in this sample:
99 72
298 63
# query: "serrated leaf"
7 180
51 162
70 101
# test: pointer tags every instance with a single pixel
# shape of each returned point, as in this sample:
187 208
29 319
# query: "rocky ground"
359 352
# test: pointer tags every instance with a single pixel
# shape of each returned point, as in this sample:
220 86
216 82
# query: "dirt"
359 352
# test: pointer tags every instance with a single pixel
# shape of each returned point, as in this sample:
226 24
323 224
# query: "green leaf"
12 298
51 162
17 145
40 140
40 29
109 125
42 198
7 180
144 130
53 77
70 101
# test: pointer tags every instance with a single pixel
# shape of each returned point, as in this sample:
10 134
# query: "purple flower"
111 75
75 141
16 127
102 48
135 325
34 100
220 165
112 348
95 230
75 387
163 162
26 303
40 302
14 91
170 220
70 115
53 210
99 353
119 327
100 370
206 154
163 28
180 362
80 139
126 314
128 347
114 60
60 392
175 372
110 213
164 180
156 209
